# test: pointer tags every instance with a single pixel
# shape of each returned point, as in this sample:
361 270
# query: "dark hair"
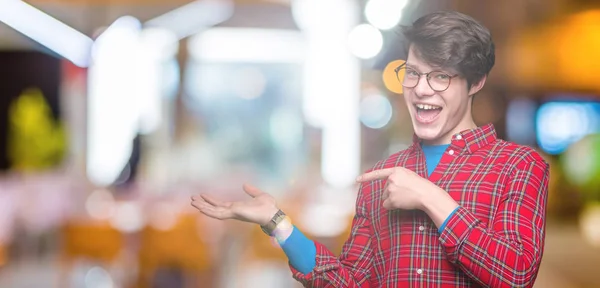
455 41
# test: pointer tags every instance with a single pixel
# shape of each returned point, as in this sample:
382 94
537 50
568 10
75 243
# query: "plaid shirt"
494 239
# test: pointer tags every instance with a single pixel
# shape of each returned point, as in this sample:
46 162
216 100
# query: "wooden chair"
97 241
181 247
3 256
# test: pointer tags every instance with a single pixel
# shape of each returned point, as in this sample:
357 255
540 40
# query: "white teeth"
427 107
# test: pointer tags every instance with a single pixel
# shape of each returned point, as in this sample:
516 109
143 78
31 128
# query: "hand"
259 209
404 189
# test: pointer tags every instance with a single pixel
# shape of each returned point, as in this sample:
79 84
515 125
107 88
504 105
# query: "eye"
412 73
442 76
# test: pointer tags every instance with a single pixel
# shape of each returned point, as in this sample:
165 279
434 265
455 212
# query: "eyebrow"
434 68
412 66
416 67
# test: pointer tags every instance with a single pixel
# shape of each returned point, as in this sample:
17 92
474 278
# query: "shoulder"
518 157
517 153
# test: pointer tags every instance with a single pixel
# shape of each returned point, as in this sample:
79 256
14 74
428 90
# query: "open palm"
259 209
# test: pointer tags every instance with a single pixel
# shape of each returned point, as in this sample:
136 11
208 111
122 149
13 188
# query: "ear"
475 87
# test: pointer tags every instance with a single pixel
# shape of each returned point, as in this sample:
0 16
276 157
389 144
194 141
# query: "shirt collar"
471 140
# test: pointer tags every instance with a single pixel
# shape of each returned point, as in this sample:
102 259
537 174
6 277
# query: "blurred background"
114 112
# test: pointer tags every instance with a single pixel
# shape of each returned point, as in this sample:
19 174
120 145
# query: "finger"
212 211
375 174
386 194
213 201
197 199
199 203
251 190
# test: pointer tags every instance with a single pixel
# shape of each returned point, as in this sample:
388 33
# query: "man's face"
436 116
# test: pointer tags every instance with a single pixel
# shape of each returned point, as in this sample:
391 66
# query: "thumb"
387 204
251 190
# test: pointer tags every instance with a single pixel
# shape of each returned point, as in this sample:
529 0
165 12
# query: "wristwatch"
270 227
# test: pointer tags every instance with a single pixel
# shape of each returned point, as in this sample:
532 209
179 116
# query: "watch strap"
270 227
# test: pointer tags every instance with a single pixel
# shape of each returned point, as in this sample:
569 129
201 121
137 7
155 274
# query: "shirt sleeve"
300 250
446 221
352 269
508 253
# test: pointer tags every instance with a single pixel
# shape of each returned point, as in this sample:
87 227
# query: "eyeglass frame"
403 65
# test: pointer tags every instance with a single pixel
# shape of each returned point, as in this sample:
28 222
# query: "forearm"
300 250
333 272
314 265
493 259
439 206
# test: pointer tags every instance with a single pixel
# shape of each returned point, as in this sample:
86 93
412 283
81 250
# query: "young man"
459 208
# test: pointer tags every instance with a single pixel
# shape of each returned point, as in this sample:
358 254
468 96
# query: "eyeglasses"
409 78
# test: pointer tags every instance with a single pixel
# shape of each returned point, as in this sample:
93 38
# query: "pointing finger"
375 174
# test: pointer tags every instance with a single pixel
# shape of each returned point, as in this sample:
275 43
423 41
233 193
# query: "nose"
423 89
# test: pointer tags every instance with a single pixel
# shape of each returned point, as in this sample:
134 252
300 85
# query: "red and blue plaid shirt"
494 239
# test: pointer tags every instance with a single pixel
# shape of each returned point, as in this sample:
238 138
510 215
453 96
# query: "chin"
428 132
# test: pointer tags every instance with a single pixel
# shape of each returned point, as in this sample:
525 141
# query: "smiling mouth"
427 113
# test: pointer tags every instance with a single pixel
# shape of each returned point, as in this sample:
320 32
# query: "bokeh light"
559 124
248 83
365 41
391 81
375 111
581 164
127 217
100 204
590 224
384 14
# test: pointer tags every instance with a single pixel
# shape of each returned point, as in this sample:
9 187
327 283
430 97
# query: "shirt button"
451 152
458 137
419 271
421 228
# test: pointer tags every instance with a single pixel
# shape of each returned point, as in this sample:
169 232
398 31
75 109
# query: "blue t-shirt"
433 155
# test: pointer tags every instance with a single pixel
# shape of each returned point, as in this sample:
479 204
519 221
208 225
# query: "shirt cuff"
446 221
324 261
458 228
